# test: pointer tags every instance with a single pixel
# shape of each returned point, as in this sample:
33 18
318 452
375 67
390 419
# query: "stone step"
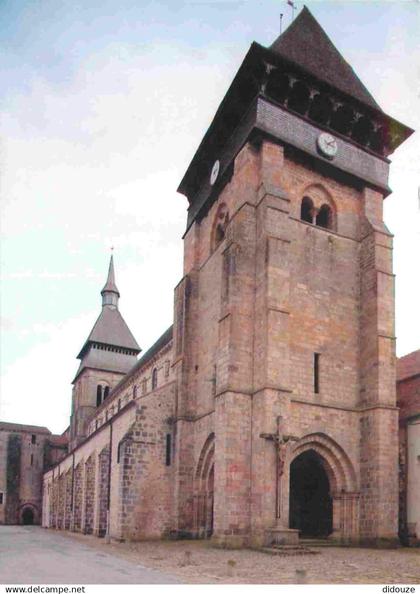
317 542
288 550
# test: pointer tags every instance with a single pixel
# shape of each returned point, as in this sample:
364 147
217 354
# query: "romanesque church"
267 412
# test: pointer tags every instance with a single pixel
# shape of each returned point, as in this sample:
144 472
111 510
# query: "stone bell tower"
286 421
109 352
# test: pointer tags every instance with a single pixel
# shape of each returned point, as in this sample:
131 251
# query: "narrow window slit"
168 449
316 373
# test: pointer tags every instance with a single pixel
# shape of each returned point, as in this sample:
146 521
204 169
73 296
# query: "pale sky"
104 104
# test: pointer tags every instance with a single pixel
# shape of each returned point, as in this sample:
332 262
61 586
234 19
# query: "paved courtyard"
34 555
197 562
31 555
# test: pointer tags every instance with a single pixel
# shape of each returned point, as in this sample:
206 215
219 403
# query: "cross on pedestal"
280 442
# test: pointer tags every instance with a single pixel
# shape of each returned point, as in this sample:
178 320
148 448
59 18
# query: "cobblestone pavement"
197 562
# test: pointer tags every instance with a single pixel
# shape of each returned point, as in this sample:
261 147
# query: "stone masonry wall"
89 489
103 490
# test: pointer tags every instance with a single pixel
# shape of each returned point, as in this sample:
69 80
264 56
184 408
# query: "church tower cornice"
305 77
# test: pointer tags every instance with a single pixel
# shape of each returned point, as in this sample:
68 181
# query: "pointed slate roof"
306 44
111 329
110 281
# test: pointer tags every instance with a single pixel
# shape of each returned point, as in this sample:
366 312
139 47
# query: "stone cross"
280 443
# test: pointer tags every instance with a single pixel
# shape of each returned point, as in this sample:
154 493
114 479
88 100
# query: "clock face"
214 172
327 144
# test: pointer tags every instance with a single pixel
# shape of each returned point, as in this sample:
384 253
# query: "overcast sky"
104 104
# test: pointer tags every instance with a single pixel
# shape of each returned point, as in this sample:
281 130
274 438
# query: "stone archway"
310 508
204 490
335 499
28 515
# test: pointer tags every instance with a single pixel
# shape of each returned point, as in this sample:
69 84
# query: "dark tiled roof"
24 428
111 329
59 440
408 366
155 348
148 355
306 44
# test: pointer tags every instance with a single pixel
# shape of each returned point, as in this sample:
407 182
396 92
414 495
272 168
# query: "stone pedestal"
279 535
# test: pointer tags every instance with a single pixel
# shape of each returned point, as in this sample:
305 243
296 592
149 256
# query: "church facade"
268 411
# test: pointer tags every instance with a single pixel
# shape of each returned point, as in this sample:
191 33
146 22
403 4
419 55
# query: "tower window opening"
1 498
32 459
33 438
220 235
119 403
306 210
98 395
316 373
324 217
168 449
106 392
299 97
220 224
134 392
154 379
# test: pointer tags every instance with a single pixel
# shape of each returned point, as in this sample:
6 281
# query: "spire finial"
110 293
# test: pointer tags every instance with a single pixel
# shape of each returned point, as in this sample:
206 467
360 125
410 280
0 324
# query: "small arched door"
27 516
310 509
204 491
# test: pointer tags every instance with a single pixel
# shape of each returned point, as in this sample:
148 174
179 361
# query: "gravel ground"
197 562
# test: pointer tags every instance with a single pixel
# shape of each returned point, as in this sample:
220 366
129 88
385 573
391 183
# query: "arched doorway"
27 516
310 509
204 491
323 490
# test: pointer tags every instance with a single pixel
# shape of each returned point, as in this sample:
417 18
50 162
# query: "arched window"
120 445
306 210
106 392
154 379
324 217
99 395
144 386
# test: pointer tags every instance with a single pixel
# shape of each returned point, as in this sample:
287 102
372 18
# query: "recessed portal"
28 516
310 500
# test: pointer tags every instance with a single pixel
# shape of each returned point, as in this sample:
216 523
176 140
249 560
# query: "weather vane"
293 5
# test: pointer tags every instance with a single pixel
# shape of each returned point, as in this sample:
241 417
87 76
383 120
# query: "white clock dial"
327 144
214 172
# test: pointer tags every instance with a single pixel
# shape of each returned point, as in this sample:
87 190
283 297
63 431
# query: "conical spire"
110 293
110 328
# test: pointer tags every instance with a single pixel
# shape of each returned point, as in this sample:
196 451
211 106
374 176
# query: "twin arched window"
102 392
322 217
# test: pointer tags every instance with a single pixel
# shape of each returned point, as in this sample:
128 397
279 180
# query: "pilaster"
379 415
